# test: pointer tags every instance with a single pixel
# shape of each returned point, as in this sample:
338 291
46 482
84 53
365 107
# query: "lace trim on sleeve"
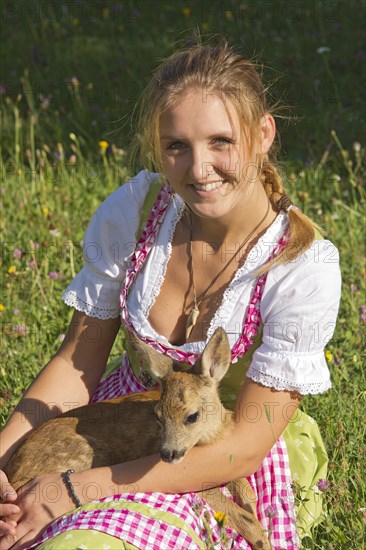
282 384
71 299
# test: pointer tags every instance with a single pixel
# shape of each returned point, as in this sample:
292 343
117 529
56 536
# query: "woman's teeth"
208 186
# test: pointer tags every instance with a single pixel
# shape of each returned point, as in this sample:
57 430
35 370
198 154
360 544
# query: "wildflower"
16 311
45 211
196 503
12 269
204 26
61 337
17 253
323 485
271 511
32 264
73 159
362 310
54 275
45 102
2 307
220 517
186 12
103 144
357 146
74 81
323 49
20 330
329 356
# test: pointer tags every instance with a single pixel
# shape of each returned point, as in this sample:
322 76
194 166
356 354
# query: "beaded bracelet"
65 476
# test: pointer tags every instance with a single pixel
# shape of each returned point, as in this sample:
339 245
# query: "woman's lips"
208 186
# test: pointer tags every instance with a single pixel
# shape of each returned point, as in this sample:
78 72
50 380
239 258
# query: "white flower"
323 49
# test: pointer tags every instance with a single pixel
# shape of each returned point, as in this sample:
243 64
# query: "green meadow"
71 73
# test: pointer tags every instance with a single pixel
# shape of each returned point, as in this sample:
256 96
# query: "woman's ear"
267 132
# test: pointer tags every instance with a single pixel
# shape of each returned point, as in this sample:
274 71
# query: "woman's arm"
261 416
67 381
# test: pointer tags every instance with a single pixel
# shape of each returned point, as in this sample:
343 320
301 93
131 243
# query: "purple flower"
16 311
271 511
20 330
17 253
54 275
323 485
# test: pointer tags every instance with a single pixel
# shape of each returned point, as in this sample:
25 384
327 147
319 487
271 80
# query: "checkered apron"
135 517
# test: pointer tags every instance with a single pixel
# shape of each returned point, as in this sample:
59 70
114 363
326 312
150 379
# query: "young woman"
222 245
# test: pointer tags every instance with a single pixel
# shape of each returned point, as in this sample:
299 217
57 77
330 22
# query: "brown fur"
141 424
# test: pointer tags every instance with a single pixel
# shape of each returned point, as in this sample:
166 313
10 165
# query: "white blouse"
299 304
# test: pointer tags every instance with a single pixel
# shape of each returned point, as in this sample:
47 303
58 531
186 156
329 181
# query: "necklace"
194 312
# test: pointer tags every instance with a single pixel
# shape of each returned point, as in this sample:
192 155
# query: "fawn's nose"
168 455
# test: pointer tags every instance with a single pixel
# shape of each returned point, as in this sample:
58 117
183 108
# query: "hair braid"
302 230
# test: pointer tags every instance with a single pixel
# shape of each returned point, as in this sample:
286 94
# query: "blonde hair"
218 70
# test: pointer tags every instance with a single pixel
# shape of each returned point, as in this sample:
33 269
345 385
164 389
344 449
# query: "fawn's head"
189 411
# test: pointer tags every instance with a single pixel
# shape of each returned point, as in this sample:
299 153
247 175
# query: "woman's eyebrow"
224 133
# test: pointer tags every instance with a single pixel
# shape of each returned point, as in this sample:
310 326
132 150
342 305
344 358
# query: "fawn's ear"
159 364
216 356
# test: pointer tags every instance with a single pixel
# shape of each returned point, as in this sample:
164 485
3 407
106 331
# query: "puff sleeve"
109 240
299 310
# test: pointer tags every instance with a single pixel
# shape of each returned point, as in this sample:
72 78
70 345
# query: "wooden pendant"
191 321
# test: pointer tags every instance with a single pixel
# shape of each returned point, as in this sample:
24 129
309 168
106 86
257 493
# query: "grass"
70 75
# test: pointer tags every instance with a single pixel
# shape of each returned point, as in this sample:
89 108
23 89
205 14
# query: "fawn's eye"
192 418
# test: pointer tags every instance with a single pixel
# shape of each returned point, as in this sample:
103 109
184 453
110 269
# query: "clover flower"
323 485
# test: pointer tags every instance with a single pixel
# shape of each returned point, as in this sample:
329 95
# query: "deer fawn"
140 424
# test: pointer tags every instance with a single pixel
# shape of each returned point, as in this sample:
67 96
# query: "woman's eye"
223 141
176 146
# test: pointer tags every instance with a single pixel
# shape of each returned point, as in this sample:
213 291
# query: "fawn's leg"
241 517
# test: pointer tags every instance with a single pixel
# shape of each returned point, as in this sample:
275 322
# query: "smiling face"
205 156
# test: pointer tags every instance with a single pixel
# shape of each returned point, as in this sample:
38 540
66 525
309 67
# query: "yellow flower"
186 12
220 517
103 145
12 269
204 26
329 356
2 307
45 211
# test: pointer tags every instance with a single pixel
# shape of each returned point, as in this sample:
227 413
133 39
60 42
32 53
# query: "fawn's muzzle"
172 456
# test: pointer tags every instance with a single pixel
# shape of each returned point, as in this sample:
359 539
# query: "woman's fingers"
7 528
7 492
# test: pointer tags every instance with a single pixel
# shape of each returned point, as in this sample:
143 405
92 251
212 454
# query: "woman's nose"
201 168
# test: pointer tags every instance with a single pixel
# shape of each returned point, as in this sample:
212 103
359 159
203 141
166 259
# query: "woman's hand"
39 503
7 507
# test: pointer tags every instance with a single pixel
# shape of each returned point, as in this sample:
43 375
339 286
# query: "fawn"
140 424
